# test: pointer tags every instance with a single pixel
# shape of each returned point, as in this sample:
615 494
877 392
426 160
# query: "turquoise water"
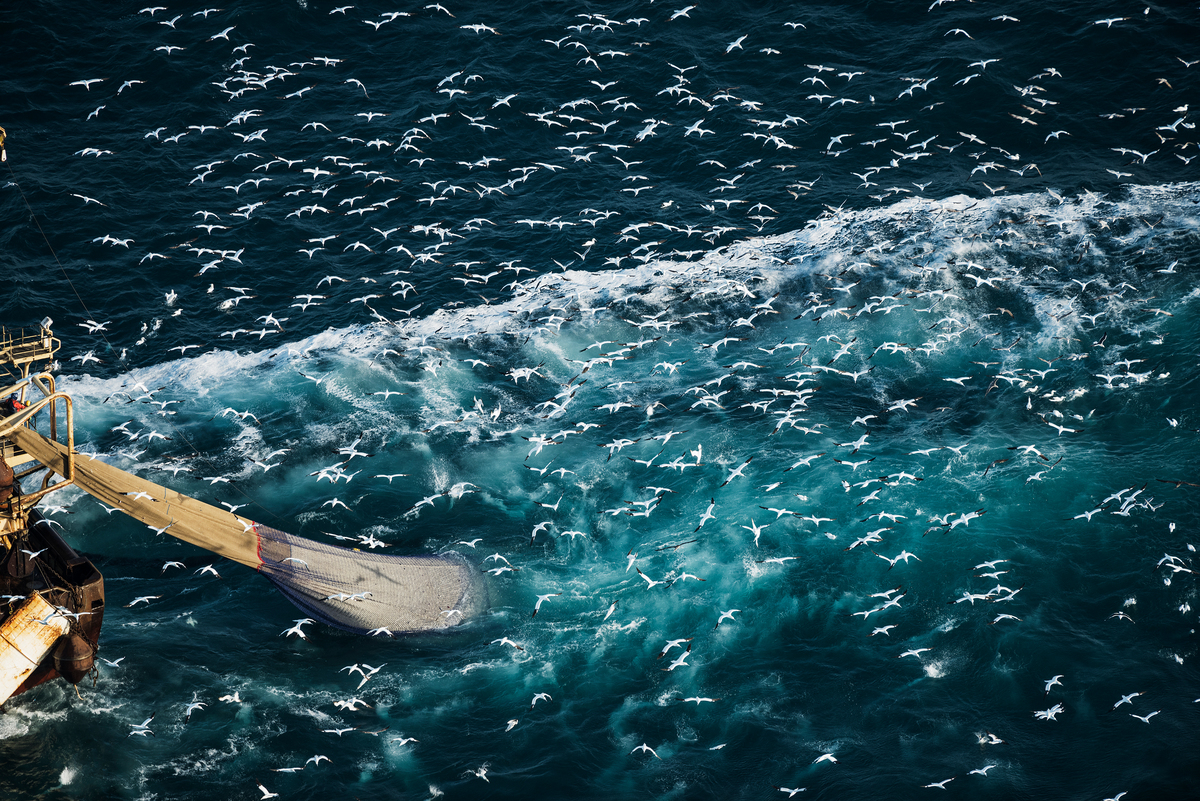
727 434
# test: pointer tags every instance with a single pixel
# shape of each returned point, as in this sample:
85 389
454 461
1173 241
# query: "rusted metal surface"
26 638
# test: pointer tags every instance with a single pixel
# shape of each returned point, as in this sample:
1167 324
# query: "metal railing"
49 402
20 350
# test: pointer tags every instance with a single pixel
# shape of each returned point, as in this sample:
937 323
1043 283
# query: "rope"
196 453
50 247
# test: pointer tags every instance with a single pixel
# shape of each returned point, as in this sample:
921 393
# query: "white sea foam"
766 263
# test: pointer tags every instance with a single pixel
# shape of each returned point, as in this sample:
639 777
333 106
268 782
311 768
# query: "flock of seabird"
596 136
836 338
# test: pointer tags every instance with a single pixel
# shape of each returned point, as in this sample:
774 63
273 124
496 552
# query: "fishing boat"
52 598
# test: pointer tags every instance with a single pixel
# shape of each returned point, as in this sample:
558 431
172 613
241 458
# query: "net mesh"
362 592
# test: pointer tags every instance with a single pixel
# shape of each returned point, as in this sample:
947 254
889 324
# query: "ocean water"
822 371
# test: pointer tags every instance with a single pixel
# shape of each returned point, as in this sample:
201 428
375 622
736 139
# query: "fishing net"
348 589
360 592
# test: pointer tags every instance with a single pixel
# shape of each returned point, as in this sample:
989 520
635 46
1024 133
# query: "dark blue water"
702 267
